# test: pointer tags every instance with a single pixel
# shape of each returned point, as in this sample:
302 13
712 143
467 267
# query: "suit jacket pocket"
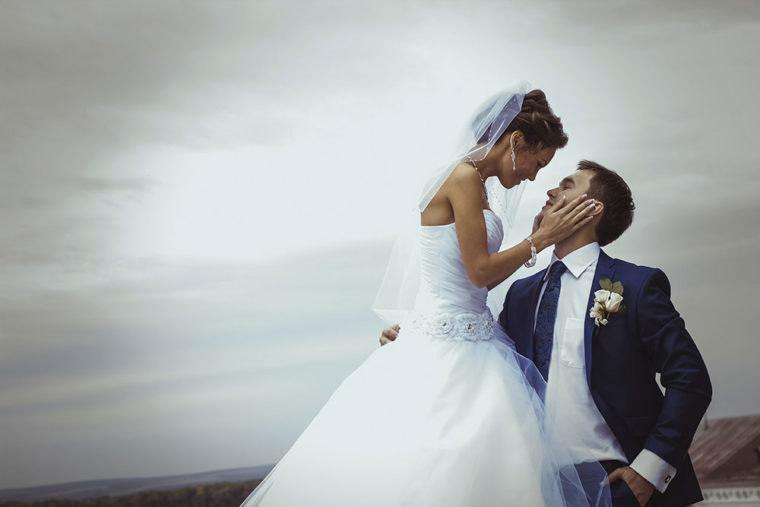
572 347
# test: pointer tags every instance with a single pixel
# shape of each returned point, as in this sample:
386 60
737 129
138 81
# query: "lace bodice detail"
444 287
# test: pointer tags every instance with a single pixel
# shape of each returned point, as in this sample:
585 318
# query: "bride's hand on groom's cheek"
640 487
537 221
389 334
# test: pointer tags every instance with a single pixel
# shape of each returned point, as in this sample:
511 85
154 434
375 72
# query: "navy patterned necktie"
543 336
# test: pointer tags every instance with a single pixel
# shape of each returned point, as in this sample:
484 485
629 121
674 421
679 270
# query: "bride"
448 414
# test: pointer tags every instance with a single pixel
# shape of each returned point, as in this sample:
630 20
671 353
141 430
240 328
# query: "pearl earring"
514 167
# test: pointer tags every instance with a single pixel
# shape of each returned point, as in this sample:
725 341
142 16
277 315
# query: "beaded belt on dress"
460 326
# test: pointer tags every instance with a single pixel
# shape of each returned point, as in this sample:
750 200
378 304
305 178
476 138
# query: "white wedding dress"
443 416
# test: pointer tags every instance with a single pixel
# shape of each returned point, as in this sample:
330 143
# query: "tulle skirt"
427 421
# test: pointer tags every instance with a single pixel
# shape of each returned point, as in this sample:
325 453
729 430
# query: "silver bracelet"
532 261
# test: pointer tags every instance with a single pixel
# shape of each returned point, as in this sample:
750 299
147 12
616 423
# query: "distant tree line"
223 494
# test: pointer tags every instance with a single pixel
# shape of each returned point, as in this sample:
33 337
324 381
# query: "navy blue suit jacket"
621 362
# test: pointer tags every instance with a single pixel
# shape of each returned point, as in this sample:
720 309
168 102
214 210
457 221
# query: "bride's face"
528 161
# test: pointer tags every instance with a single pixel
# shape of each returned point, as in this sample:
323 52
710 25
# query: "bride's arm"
464 191
536 224
496 283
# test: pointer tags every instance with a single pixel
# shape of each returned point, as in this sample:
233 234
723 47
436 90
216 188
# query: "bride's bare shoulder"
464 175
461 183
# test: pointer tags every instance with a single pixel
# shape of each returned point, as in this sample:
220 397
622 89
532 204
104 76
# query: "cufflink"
667 479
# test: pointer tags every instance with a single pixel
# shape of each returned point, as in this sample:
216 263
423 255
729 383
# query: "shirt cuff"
654 469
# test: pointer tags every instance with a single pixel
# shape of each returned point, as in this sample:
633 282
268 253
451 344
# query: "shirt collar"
578 260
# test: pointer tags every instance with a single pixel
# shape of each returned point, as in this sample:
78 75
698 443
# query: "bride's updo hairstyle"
538 123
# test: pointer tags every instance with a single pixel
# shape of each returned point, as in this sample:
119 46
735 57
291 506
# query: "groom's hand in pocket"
640 487
389 334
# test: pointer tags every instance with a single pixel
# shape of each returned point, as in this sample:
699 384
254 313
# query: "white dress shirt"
568 398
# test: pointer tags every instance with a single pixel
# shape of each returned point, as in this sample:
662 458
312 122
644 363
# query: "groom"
601 371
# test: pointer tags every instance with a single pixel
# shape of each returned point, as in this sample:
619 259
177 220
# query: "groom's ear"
598 208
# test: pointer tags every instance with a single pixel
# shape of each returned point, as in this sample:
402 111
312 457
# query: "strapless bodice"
444 286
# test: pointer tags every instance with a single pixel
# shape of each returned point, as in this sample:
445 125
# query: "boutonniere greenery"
608 301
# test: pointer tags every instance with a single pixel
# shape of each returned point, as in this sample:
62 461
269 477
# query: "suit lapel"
604 269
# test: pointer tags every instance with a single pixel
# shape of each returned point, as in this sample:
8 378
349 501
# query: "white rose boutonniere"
608 301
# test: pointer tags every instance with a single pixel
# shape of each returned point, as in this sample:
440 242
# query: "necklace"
476 169
483 188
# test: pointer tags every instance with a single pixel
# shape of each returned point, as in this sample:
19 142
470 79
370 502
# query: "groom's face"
570 187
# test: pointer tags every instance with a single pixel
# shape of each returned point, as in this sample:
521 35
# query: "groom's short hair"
608 187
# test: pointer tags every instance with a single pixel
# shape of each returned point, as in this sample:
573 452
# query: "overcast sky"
197 199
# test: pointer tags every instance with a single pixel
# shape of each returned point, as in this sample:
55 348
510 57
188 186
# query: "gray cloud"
131 356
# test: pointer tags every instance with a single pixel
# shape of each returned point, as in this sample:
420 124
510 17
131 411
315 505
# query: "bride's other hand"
389 334
561 220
